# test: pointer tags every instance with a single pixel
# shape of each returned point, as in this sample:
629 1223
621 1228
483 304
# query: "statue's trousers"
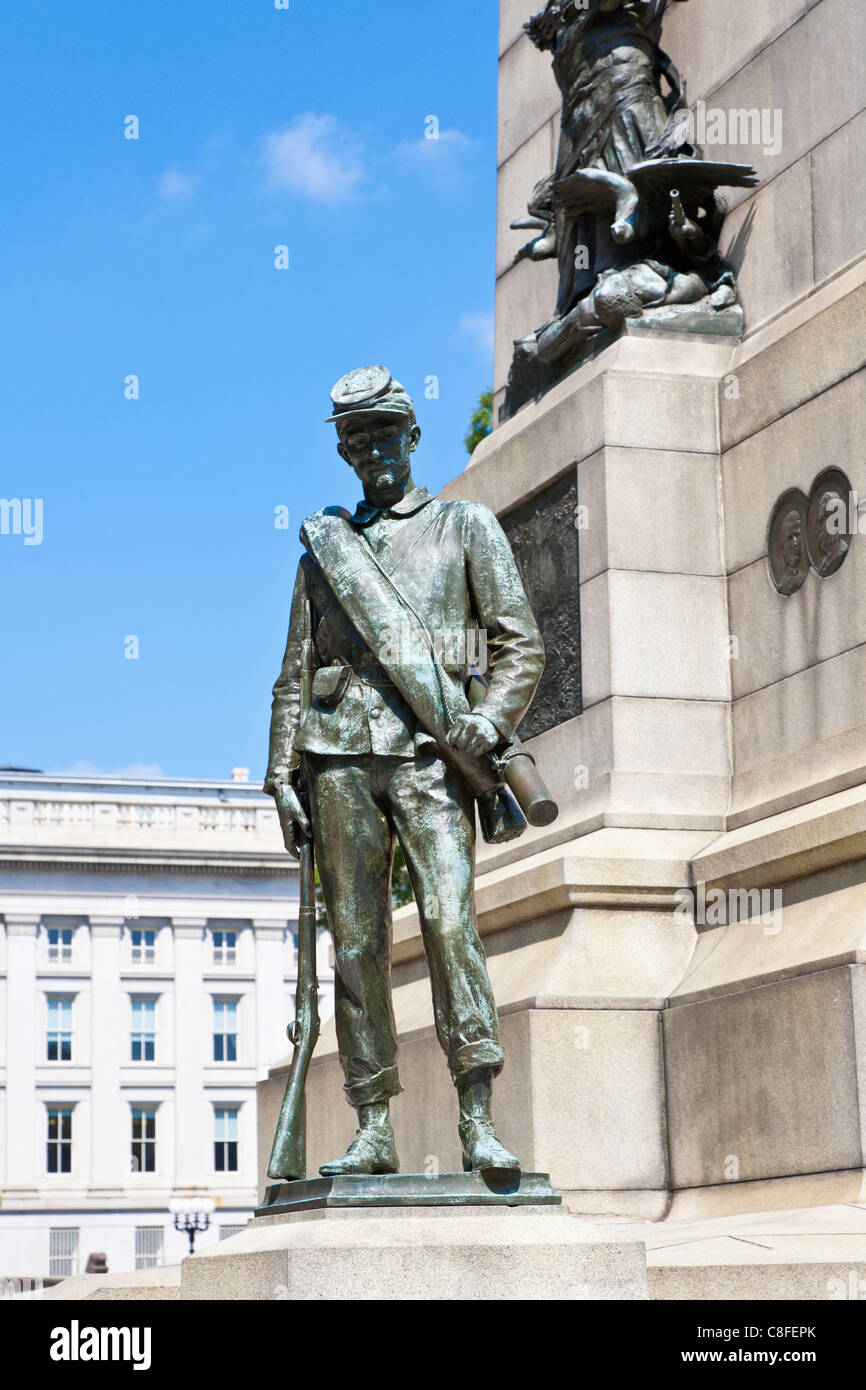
361 806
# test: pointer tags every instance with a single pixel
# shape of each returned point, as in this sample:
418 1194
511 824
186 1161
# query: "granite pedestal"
376 1253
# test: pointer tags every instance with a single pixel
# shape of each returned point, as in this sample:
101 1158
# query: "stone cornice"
271 930
147 861
22 924
110 925
822 834
190 928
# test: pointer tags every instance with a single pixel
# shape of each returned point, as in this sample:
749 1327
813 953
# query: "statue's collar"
408 504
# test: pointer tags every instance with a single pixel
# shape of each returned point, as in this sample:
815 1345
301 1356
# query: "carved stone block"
544 538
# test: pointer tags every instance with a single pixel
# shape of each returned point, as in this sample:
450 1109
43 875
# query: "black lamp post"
191 1215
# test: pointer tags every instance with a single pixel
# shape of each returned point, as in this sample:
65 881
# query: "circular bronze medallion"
786 542
828 533
364 384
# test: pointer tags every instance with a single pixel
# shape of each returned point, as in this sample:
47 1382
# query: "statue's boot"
372 1150
482 1151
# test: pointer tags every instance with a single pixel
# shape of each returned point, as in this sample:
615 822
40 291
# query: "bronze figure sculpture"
816 531
828 538
786 544
380 733
630 212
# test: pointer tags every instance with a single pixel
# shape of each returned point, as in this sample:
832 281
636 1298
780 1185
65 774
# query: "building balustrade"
99 817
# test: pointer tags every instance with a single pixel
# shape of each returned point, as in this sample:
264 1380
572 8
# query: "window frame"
143 1112
149 1259
227 1146
225 1040
140 1037
59 1146
144 951
58 1258
224 953
57 1036
61 951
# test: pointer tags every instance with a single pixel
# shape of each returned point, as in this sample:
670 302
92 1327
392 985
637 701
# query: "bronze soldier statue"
388 748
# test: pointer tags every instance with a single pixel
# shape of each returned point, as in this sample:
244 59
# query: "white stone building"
147 974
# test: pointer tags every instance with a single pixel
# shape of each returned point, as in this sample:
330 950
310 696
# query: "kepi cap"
369 391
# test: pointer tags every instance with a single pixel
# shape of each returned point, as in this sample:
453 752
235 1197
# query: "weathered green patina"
405 597
495 1189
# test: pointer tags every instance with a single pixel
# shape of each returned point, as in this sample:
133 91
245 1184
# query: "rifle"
289 1154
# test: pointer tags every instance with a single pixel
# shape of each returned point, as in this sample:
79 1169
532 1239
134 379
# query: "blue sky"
155 257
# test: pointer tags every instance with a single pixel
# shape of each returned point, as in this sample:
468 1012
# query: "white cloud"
441 159
177 187
143 772
316 157
478 329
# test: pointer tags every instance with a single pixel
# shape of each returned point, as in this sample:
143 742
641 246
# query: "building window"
148 1247
59 1037
143 945
143 1030
224 947
225 1140
225 1030
226 1232
143 1142
59 1147
60 943
63 1252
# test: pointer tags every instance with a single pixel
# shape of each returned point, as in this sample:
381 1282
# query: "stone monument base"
530 378
816 1252
480 1252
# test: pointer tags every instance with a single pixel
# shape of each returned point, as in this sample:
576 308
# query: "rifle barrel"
289 1154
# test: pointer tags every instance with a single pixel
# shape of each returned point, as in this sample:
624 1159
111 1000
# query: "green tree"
401 888
481 423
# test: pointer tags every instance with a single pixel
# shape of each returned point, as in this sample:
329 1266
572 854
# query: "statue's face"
792 540
380 448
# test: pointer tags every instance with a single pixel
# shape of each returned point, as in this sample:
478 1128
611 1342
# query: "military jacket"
453 563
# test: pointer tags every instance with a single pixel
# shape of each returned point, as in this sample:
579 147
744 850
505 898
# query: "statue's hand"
293 817
687 236
472 733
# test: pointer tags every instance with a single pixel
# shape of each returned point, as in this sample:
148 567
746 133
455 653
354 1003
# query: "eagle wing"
656 177
592 190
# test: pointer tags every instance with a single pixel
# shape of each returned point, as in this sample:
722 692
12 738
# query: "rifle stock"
289 1154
